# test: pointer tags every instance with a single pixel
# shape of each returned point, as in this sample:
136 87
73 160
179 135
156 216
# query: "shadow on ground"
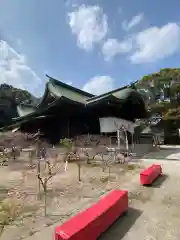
119 229
159 181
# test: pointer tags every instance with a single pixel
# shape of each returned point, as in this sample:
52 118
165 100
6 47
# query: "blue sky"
93 45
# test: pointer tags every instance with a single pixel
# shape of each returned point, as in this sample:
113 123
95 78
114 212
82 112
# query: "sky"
96 46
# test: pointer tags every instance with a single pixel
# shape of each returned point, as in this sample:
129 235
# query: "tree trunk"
1 230
39 182
45 200
109 171
39 189
79 172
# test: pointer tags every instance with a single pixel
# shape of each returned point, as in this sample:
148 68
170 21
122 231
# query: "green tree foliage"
163 89
10 97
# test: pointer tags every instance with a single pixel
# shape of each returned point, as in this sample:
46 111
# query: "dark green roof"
107 94
64 93
121 94
71 88
21 120
58 90
61 86
41 111
25 109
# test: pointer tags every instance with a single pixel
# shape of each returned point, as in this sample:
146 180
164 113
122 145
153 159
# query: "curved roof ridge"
28 105
25 109
65 85
113 91
107 93
46 91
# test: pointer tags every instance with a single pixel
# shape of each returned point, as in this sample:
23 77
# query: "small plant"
107 163
132 166
3 159
9 212
66 143
72 154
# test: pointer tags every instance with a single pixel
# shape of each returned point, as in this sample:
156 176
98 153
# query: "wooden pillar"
126 140
118 138
132 144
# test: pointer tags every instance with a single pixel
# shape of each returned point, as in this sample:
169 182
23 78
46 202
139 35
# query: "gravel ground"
154 212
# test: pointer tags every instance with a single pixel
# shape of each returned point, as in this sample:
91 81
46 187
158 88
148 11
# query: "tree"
133 85
10 97
107 163
32 156
45 171
72 154
164 87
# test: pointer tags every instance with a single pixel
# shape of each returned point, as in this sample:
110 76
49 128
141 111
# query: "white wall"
112 124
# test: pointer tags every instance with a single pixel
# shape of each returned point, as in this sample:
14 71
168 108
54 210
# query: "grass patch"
131 167
3 193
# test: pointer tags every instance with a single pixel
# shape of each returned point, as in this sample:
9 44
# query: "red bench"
148 175
89 224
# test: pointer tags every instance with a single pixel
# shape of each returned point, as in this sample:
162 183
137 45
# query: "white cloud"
112 47
134 21
14 70
99 85
89 24
71 3
156 43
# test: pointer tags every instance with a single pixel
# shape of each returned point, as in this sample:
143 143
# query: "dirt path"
154 211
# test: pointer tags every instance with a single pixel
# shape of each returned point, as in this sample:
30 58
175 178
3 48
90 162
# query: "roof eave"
42 110
44 96
103 100
107 93
55 81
